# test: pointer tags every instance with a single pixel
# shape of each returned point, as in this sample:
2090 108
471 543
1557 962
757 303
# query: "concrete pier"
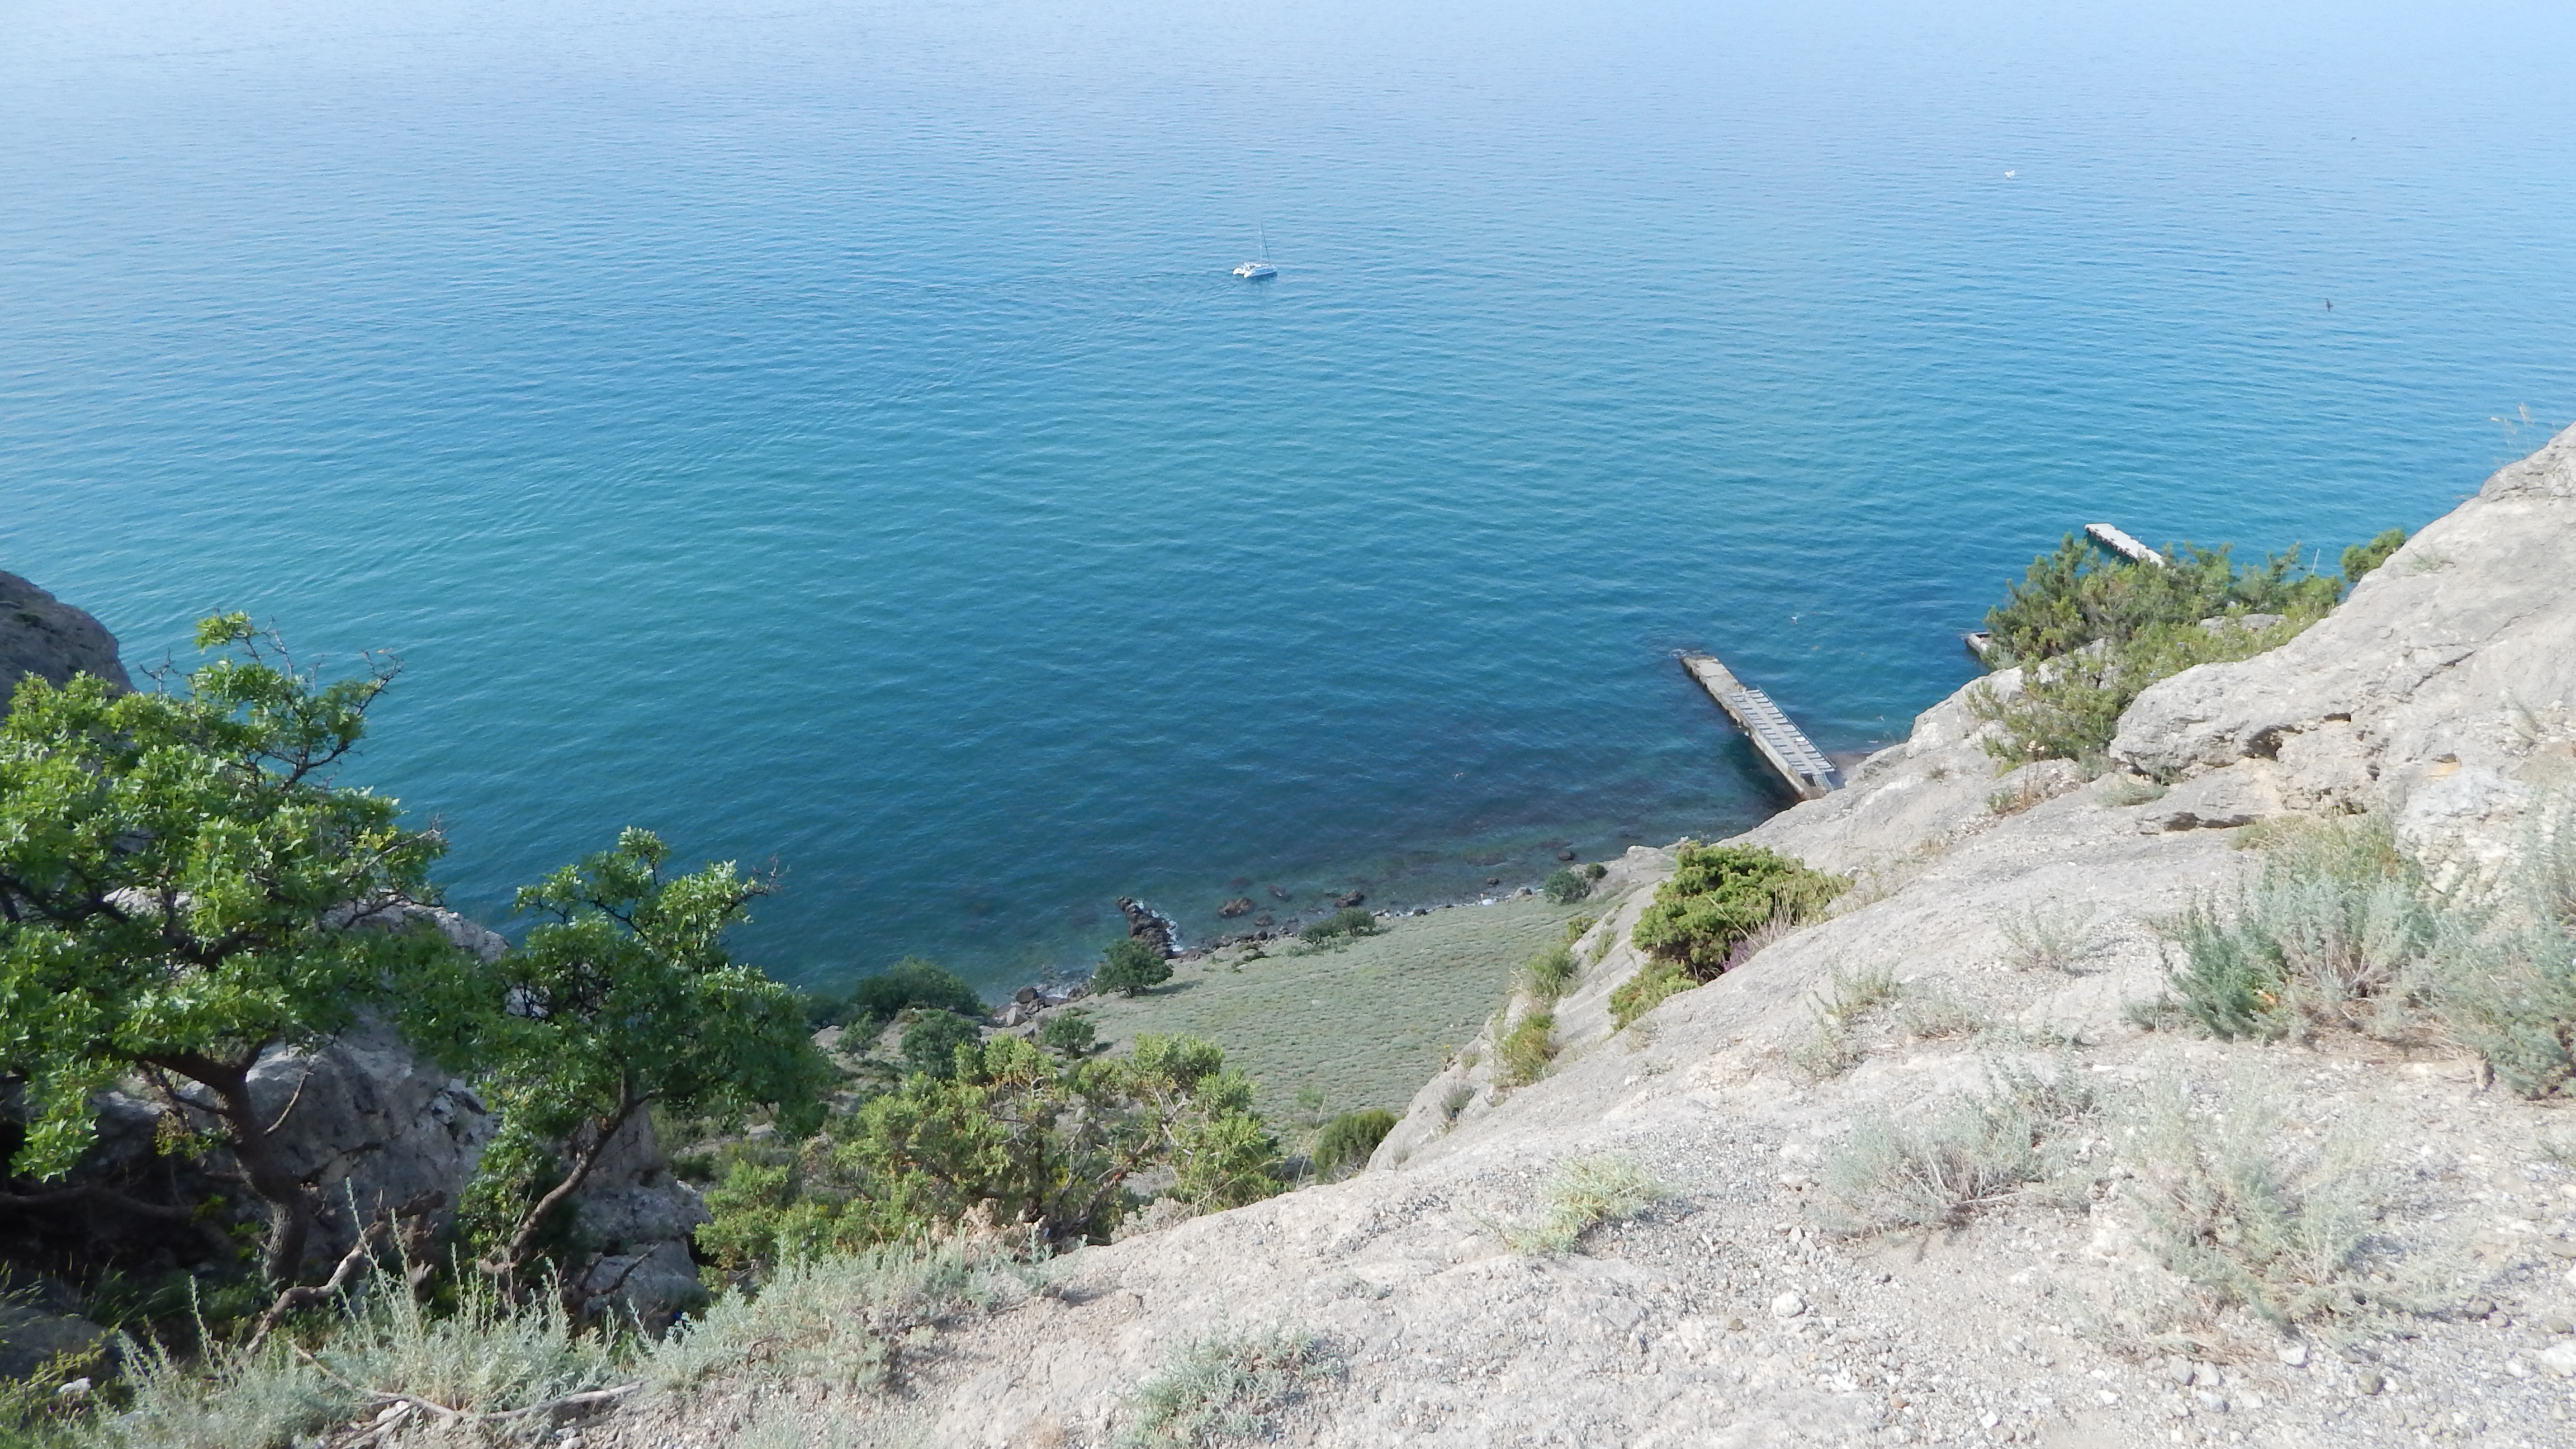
1798 761
2117 540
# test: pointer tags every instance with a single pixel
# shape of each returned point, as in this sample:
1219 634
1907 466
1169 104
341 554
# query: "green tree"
179 871
930 1044
1129 967
1035 1141
1565 887
622 999
2361 558
908 983
1069 1033
1720 894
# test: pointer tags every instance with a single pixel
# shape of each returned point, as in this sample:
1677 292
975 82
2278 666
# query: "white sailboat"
1258 267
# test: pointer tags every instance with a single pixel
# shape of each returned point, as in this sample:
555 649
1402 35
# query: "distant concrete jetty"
1798 761
2117 540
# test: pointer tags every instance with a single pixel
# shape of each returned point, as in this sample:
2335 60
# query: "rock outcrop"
1743 1311
43 636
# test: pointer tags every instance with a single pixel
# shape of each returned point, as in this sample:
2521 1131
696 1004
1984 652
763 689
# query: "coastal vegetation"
1341 927
906 985
186 887
1131 968
1012 1135
1716 909
1347 1140
2091 631
1569 884
1580 1196
2338 931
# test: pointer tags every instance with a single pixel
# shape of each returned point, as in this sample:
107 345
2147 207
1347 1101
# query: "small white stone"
2211 1401
1788 1305
2293 1354
2560 1359
76 1389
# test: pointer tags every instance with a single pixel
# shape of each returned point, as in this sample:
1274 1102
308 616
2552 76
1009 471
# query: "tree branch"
523 1243
361 1254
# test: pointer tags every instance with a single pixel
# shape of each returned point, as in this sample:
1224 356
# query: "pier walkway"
1799 762
2117 540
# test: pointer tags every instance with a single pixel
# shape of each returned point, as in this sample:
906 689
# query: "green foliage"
2093 631
1069 1033
2321 938
1347 1140
179 878
1227 1388
2069 707
1549 973
2361 558
1347 924
1528 1048
1719 895
930 1044
1565 887
1653 984
2080 595
1580 1196
1594 871
1037 1142
1129 967
621 1000
909 984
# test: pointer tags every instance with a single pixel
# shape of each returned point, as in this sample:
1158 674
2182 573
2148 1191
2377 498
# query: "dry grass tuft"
1228 1388
1582 1195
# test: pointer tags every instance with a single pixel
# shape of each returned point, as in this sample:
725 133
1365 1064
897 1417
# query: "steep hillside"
2406 1219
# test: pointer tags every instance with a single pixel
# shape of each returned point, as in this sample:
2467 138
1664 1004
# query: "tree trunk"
523 1243
290 1202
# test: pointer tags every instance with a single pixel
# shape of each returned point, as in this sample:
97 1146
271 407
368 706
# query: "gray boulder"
374 1126
30 1338
637 1218
43 636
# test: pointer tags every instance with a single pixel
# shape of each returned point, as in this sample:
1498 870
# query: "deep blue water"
828 434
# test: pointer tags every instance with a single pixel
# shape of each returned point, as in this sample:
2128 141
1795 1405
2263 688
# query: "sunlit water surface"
829 435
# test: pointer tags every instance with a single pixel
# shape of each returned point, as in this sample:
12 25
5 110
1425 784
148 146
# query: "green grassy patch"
1366 1023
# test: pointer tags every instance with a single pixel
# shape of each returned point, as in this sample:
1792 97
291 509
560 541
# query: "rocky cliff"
2001 925
43 636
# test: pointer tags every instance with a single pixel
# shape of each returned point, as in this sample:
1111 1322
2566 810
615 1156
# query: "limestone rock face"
638 1218
373 1125
43 636
2448 674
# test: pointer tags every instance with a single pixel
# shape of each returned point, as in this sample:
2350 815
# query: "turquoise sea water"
828 433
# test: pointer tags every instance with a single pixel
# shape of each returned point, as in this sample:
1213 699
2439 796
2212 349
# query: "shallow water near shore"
829 435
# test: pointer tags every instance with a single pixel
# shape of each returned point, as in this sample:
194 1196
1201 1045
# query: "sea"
831 436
